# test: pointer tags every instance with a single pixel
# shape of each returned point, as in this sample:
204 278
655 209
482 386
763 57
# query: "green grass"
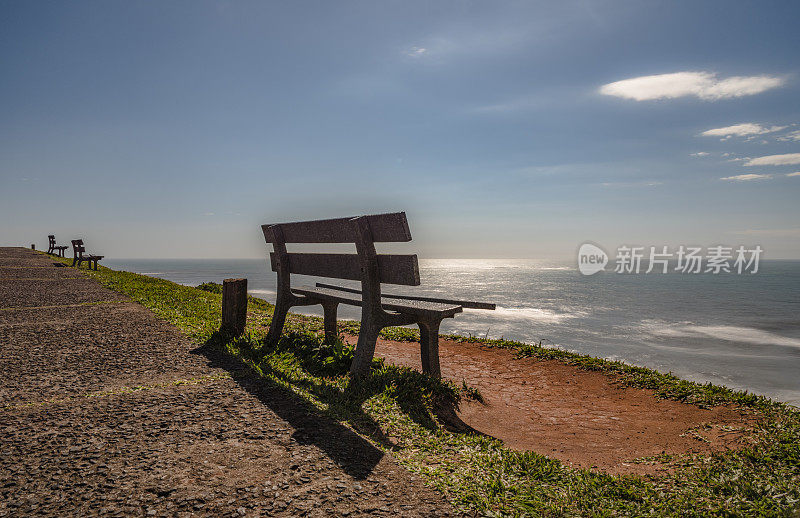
397 408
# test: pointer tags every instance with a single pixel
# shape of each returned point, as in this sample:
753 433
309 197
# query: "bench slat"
394 268
386 228
419 308
468 304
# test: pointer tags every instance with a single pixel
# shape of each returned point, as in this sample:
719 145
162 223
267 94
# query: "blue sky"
503 129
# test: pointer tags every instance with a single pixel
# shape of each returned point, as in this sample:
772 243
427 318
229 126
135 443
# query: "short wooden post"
33 246
234 305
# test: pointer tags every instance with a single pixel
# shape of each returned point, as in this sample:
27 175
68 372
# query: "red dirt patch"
581 418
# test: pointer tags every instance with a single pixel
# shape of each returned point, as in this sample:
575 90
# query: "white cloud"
793 174
699 154
741 130
793 135
415 52
208 214
787 159
703 85
747 177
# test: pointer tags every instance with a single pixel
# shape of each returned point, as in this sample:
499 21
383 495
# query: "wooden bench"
80 255
372 269
53 248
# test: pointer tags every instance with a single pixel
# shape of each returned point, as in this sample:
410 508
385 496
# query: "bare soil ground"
579 417
78 440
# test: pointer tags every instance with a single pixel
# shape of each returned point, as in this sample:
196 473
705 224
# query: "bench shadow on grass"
351 452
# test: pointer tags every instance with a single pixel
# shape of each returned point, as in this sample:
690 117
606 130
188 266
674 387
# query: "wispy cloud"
747 177
699 154
741 130
703 85
793 135
793 174
733 158
484 39
786 159
416 52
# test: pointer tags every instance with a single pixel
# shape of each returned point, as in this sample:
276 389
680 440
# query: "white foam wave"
536 314
261 293
728 333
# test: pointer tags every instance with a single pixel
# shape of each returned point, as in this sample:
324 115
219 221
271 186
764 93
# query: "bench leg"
278 319
429 347
365 350
330 321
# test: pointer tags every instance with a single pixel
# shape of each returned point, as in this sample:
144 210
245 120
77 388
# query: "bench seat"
417 308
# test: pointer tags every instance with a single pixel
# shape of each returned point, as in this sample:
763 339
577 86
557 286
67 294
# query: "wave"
261 293
537 314
728 333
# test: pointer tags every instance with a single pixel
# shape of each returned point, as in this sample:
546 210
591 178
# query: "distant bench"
372 269
53 248
80 255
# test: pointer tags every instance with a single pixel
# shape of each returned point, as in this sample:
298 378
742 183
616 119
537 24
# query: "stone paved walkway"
201 438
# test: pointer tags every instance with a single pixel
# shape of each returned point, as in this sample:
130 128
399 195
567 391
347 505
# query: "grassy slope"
395 408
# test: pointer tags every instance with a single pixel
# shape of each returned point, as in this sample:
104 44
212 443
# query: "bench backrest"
366 265
77 247
52 239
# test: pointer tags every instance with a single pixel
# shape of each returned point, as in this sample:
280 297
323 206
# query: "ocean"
741 331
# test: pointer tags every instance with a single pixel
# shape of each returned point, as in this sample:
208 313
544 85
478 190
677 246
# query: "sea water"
741 331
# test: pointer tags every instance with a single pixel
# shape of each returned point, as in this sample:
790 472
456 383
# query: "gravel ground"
222 444
68 351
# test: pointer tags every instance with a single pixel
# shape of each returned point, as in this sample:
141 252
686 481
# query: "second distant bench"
80 255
